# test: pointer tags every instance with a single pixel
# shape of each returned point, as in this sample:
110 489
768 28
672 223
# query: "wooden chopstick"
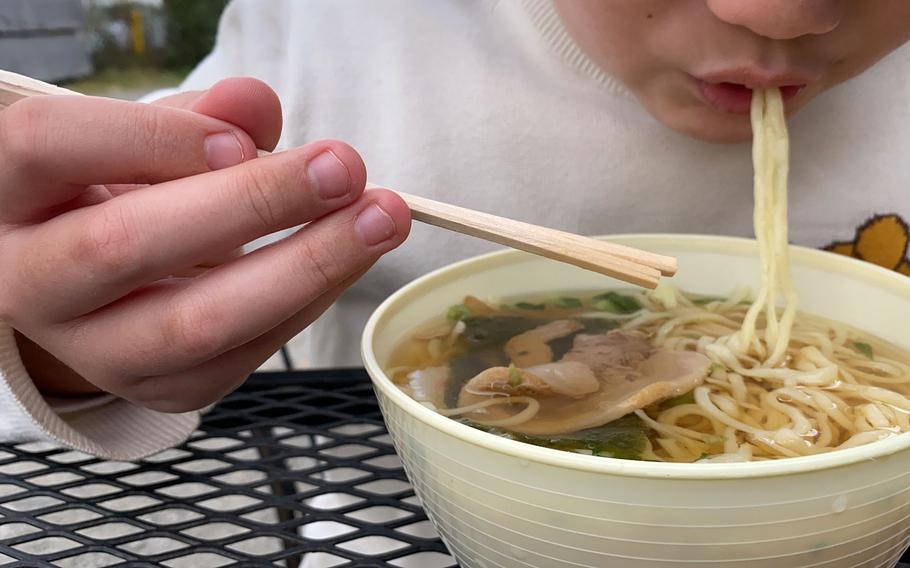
624 263
621 262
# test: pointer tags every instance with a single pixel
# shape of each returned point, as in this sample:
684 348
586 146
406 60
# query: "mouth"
731 91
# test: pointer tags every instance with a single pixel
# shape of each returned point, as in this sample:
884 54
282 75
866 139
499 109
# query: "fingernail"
329 175
373 225
222 150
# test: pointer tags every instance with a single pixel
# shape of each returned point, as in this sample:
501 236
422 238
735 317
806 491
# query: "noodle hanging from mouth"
770 158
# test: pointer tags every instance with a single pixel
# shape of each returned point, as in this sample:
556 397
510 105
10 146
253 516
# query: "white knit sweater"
490 104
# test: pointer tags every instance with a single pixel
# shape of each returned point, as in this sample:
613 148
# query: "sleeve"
103 426
106 426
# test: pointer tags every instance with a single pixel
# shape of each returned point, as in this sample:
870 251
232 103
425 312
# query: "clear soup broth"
652 376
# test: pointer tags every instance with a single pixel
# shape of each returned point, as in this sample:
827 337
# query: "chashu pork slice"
631 374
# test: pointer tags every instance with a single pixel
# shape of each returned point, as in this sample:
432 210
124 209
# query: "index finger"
52 147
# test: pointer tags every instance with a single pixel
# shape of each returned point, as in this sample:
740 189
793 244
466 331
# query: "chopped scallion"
514 375
458 312
566 302
865 349
687 398
616 303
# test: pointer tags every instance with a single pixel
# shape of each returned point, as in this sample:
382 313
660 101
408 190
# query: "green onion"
567 302
529 306
605 306
514 375
688 398
458 312
616 303
865 349
718 367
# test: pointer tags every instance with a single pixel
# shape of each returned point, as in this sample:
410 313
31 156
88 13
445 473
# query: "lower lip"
733 98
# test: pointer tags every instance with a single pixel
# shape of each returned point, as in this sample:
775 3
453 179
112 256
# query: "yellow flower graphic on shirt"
882 240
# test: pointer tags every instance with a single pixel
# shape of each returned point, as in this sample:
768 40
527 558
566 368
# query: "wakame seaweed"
593 326
597 326
487 331
484 332
625 438
463 368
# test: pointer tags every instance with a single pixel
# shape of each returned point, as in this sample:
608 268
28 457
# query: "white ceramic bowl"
498 502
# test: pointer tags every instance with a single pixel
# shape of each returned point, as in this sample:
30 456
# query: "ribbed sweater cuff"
115 429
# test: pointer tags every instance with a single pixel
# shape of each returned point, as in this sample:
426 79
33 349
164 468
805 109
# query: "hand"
89 257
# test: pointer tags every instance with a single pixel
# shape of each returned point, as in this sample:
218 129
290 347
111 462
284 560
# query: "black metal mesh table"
294 469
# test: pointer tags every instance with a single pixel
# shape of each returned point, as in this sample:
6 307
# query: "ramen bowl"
501 503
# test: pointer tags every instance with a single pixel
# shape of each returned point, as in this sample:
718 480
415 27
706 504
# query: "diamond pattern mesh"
295 469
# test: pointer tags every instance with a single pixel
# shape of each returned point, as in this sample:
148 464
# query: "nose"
780 19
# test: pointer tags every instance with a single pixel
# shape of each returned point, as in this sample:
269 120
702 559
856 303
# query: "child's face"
691 63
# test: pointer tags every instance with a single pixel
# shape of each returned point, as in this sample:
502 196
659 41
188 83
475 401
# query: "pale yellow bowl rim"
879 277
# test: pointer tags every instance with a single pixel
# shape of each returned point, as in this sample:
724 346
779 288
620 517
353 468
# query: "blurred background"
115 48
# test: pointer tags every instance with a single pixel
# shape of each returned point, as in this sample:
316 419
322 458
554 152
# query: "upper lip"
758 78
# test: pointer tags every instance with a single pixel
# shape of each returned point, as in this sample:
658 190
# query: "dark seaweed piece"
624 438
597 326
484 337
465 367
482 332
593 326
530 306
561 345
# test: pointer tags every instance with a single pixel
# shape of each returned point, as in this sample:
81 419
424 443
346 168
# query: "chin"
696 120
711 126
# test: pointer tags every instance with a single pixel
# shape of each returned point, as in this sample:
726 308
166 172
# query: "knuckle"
154 137
266 191
193 332
24 132
107 246
319 266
